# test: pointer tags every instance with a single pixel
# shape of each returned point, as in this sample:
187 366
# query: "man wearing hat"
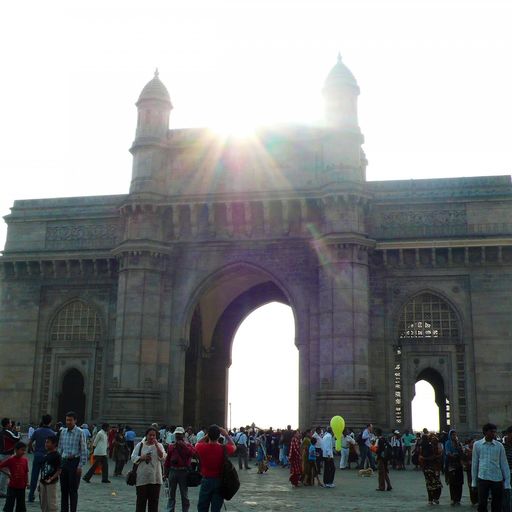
177 463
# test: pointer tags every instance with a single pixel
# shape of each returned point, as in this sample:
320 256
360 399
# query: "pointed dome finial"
156 73
339 56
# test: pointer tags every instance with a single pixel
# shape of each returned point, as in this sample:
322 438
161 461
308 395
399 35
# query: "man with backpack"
242 449
211 454
364 440
384 454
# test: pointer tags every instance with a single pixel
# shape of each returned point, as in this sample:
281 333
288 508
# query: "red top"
179 455
18 467
211 456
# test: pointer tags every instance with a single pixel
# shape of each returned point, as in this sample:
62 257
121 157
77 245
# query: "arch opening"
430 406
263 379
219 312
72 396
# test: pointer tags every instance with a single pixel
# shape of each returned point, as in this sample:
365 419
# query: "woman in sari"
295 459
453 469
430 458
306 443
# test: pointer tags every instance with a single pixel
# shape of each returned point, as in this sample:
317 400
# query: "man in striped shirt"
490 470
73 450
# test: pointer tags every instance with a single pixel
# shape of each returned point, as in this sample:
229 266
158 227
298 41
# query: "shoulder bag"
230 483
131 477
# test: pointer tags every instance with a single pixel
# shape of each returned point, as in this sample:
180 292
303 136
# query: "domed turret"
154 107
155 90
340 93
148 149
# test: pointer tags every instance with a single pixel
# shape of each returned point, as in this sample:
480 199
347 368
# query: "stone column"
344 332
177 379
135 392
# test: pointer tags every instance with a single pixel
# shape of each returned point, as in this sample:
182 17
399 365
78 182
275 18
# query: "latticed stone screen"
428 316
77 321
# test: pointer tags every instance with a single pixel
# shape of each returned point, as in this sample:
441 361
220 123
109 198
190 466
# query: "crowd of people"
164 456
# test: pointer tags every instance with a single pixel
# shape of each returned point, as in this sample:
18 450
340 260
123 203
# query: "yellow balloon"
338 426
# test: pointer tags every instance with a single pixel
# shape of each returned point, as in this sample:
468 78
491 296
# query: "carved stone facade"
128 304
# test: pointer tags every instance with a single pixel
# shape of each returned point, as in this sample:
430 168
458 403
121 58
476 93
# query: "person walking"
311 468
328 456
73 450
295 459
398 454
37 445
120 452
384 450
261 453
430 459
490 470
100 446
242 448
211 454
130 436
304 451
177 464
454 471
149 455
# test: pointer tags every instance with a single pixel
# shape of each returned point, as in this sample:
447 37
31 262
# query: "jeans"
69 483
98 459
507 501
286 449
384 481
407 455
149 495
243 456
209 493
329 470
15 496
178 477
496 488
344 463
37 463
366 453
3 477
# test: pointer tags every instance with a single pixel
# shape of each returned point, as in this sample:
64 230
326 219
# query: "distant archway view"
264 373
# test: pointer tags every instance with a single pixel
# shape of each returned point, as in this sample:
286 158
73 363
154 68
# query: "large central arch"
221 305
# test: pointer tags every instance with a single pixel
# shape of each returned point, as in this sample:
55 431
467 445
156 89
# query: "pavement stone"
272 492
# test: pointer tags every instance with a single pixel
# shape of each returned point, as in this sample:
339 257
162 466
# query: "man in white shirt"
328 456
346 442
489 469
100 444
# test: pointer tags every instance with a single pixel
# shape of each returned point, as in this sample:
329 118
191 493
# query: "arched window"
428 317
76 321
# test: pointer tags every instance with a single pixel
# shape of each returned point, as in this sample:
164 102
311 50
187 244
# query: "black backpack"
230 483
387 454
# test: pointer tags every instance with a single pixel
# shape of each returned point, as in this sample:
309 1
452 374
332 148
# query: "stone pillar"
176 396
344 332
135 394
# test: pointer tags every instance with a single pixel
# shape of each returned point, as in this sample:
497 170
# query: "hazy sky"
435 79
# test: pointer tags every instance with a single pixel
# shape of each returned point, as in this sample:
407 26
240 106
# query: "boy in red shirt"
211 457
18 481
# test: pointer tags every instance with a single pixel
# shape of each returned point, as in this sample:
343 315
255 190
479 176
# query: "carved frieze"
81 236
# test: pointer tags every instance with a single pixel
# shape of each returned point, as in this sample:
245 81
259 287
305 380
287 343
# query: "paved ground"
272 492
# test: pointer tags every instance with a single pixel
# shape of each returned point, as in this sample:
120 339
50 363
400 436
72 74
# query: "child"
50 471
313 472
18 481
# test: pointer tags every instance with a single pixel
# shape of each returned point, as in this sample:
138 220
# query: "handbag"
230 483
194 477
131 476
